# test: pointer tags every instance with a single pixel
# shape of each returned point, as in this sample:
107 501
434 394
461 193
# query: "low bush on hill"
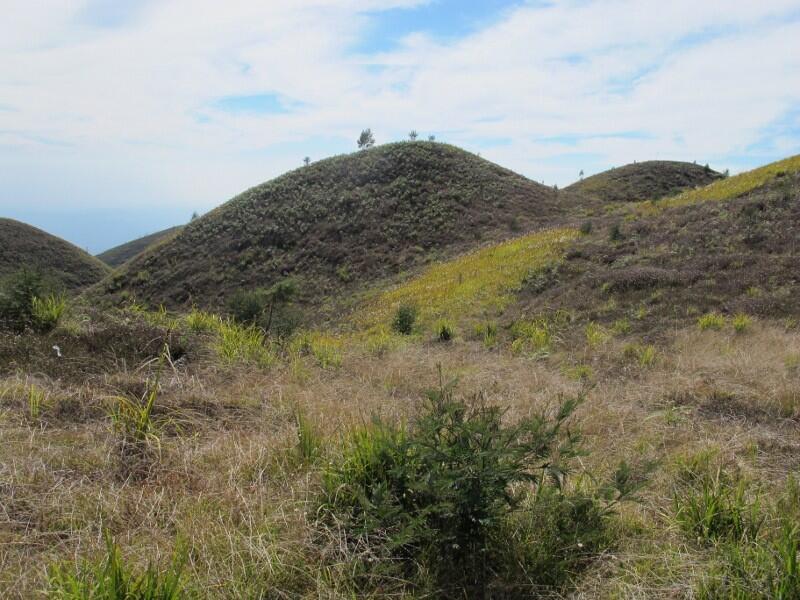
26 301
461 504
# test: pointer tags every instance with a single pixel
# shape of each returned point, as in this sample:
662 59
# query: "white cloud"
700 80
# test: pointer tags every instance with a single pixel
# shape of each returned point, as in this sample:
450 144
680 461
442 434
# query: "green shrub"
47 312
445 331
463 499
17 295
404 319
645 356
586 227
267 308
248 306
621 326
741 323
712 320
113 580
615 233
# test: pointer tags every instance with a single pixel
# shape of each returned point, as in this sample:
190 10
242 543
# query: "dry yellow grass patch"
483 281
230 480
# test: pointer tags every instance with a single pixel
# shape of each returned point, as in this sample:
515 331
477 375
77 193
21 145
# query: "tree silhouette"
366 139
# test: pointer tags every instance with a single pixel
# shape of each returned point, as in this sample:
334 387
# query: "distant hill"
341 222
732 246
24 246
123 253
647 180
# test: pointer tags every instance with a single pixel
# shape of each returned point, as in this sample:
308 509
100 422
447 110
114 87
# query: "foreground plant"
111 579
463 504
138 440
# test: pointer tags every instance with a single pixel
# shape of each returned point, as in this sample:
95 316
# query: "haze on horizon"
119 118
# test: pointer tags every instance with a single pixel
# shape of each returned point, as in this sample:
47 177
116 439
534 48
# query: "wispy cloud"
198 99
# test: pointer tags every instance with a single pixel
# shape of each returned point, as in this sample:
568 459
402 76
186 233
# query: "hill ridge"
340 222
24 245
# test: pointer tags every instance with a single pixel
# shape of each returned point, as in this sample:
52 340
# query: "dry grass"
231 483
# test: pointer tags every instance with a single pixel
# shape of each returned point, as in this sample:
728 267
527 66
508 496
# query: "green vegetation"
483 281
244 344
404 319
741 323
138 433
267 308
463 504
47 312
712 320
111 579
445 331
25 302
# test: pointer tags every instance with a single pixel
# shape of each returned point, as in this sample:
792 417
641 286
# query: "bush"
445 331
17 296
741 323
712 320
248 306
112 580
586 227
466 500
404 319
267 308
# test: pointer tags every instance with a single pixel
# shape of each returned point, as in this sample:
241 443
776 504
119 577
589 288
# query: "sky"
122 117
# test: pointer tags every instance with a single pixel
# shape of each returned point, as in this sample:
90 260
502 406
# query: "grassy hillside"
651 270
731 187
608 410
62 263
340 223
118 255
645 180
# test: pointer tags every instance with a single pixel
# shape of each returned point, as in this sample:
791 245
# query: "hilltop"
645 181
58 260
118 255
340 223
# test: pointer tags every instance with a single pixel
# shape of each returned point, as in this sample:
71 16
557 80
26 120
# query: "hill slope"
24 246
645 181
344 221
118 255
664 266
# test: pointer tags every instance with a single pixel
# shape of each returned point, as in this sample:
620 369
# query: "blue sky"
122 117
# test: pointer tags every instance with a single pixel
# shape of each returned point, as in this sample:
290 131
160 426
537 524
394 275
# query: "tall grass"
138 439
244 344
112 579
47 312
